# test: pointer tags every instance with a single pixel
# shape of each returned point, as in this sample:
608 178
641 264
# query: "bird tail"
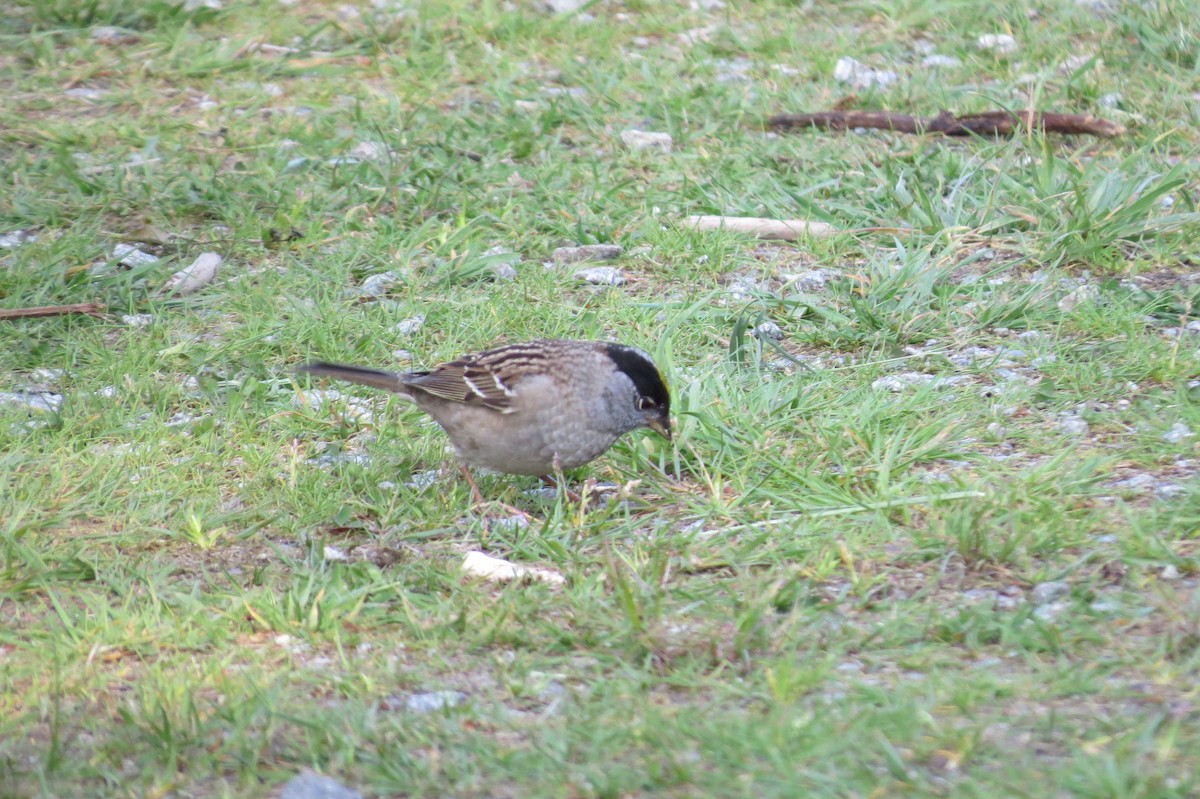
377 378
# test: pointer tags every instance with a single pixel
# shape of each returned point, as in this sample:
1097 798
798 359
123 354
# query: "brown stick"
89 308
987 123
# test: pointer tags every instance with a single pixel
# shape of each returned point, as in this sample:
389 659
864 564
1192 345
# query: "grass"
824 587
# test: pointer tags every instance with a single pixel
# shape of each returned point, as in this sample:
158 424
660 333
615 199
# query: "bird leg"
480 501
466 473
559 483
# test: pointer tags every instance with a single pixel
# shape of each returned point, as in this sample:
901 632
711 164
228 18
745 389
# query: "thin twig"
89 308
986 123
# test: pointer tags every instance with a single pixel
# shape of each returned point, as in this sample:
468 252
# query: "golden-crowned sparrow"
533 408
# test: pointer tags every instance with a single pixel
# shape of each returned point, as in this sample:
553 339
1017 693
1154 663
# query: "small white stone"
1044 593
767 329
601 276
434 701
1178 432
936 61
811 281
410 326
997 42
646 140
861 76
32 400
1051 611
422 480
902 381
1170 572
137 319
1073 426
15 239
378 285
335 554
130 256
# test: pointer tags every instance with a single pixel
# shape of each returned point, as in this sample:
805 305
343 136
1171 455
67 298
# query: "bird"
533 408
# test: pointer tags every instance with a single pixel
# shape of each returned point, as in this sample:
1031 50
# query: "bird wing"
485 378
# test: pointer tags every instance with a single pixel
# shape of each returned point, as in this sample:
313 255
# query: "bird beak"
660 426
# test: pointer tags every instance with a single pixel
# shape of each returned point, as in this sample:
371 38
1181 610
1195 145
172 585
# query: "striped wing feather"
486 378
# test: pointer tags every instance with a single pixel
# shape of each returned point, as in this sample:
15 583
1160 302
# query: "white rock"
767 330
422 480
1045 593
333 553
997 42
861 76
378 285
410 326
194 277
137 319
601 276
44 401
498 570
130 256
1051 611
811 281
901 381
646 140
935 61
1073 426
433 701
1178 432
15 239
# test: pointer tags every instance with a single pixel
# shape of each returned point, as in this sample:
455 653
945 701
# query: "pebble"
422 480
433 701
1051 611
902 381
378 285
310 785
812 281
980 596
1073 426
410 326
1170 572
1136 483
587 252
935 61
601 276
1178 432
767 330
1045 593
130 256
997 42
42 401
15 239
861 76
646 140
